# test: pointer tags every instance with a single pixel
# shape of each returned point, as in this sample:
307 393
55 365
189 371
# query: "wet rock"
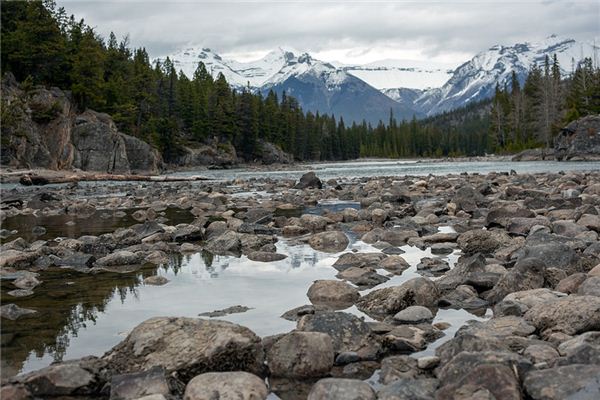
482 241
396 237
407 339
348 332
570 315
332 293
432 266
388 301
461 271
294 230
442 248
263 256
309 180
463 296
567 382
362 277
226 385
20 293
329 242
14 312
77 260
394 368
358 260
226 244
394 264
159 257
139 384
338 388
27 282
187 346
301 355
296 313
414 389
414 315
121 257
483 382
226 311
314 223
527 274
156 280
188 233
146 229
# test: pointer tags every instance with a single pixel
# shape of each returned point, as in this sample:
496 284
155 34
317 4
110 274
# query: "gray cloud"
359 30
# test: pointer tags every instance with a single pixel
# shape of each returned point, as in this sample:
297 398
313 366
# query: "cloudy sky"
349 31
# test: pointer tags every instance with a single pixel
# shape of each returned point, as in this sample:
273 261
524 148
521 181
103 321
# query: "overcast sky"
348 31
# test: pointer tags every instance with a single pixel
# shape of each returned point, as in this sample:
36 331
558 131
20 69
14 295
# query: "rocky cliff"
41 128
580 140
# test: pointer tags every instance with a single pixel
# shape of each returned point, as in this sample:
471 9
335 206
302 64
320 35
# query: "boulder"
483 241
187 346
389 301
332 293
238 385
579 140
362 277
329 242
265 256
301 355
338 388
414 389
229 243
14 312
414 315
502 215
570 315
139 384
118 258
576 381
309 180
526 274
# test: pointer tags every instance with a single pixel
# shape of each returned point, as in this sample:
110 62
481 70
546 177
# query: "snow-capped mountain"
477 78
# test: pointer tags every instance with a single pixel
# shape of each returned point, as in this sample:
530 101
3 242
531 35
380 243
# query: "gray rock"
139 384
118 258
337 388
414 315
226 311
394 368
501 215
567 382
237 385
332 293
187 346
330 242
14 312
494 381
579 140
301 355
309 180
226 244
570 315
482 241
433 266
263 256
362 277
527 274
591 286
414 389
156 280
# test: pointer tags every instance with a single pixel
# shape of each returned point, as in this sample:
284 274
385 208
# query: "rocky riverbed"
518 252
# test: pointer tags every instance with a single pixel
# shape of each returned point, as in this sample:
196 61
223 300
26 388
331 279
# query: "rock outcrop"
580 140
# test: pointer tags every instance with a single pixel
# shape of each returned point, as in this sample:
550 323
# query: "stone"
347 331
301 355
483 382
565 382
314 223
389 301
501 215
338 388
187 233
63 379
394 368
139 384
482 241
156 280
579 140
263 256
238 385
570 315
406 339
433 266
329 242
539 353
362 277
14 312
414 315
527 274
226 311
309 180
428 362
187 346
394 264
15 392
462 271
571 283
591 286
590 221
414 389
463 296
119 258
229 243
332 293
568 228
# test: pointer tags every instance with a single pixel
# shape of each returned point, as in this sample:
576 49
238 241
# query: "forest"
42 45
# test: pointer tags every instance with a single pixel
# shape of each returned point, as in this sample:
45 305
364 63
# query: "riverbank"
394 258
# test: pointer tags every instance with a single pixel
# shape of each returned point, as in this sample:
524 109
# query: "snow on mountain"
402 73
477 78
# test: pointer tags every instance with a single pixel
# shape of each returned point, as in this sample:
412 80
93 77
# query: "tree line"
41 45
530 115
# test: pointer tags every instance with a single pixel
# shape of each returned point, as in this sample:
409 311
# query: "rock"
309 180
347 358
483 382
332 293
394 368
571 283
579 140
568 228
362 277
554 255
139 384
314 223
156 280
570 315
428 362
337 388
482 241
467 199
238 385
590 221
187 346
272 154
527 274
263 256
408 339
567 382
463 297
433 266
388 301
330 242
301 355
14 312
591 286
226 311
414 315
348 332
118 258
501 215
27 282
15 392
522 226
229 243
394 264
296 313
468 342
582 349
20 293
539 353
414 389
462 271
